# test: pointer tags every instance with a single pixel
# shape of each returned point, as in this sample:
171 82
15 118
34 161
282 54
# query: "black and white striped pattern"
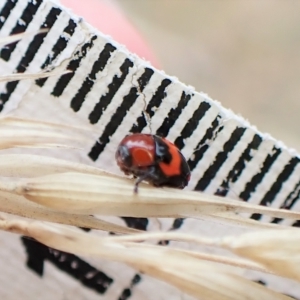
115 92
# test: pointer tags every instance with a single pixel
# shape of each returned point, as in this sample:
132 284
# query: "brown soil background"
245 54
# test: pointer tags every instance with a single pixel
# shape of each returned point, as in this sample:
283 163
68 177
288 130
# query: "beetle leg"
142 178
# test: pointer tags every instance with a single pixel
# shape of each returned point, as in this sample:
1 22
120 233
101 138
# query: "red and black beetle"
154 159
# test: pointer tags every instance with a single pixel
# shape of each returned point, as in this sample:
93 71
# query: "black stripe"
192 124
173 115
59 46
29 55
203 145
6 10
177 223
290 201
21 26
90 80
240 165
127 292
75 267
296 223
136 223
220 159
113 87
277 185
119 114
73 65
257 178
153 104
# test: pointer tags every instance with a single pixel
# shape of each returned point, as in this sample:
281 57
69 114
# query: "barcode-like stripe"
29 55
221 157
257 178
113 87
290 201
136 223
21 26
72 66
173 115
215 146
59 46
39 253
5 11
203 145
277 185
240 165
154 103
296 224
192 124
127 292
90 80
38 40
119 114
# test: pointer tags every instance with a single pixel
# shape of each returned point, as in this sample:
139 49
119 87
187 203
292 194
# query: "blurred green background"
245 54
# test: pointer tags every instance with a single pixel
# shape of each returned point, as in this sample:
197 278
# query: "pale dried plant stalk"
234 219
221 259
111 195
61 191
28 165
19 206
16 122
16 37
16 132
279 251
32 76
20 76
276 250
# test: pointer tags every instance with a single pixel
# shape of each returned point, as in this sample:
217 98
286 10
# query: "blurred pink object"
109 19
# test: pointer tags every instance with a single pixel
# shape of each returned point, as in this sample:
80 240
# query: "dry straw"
40 195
